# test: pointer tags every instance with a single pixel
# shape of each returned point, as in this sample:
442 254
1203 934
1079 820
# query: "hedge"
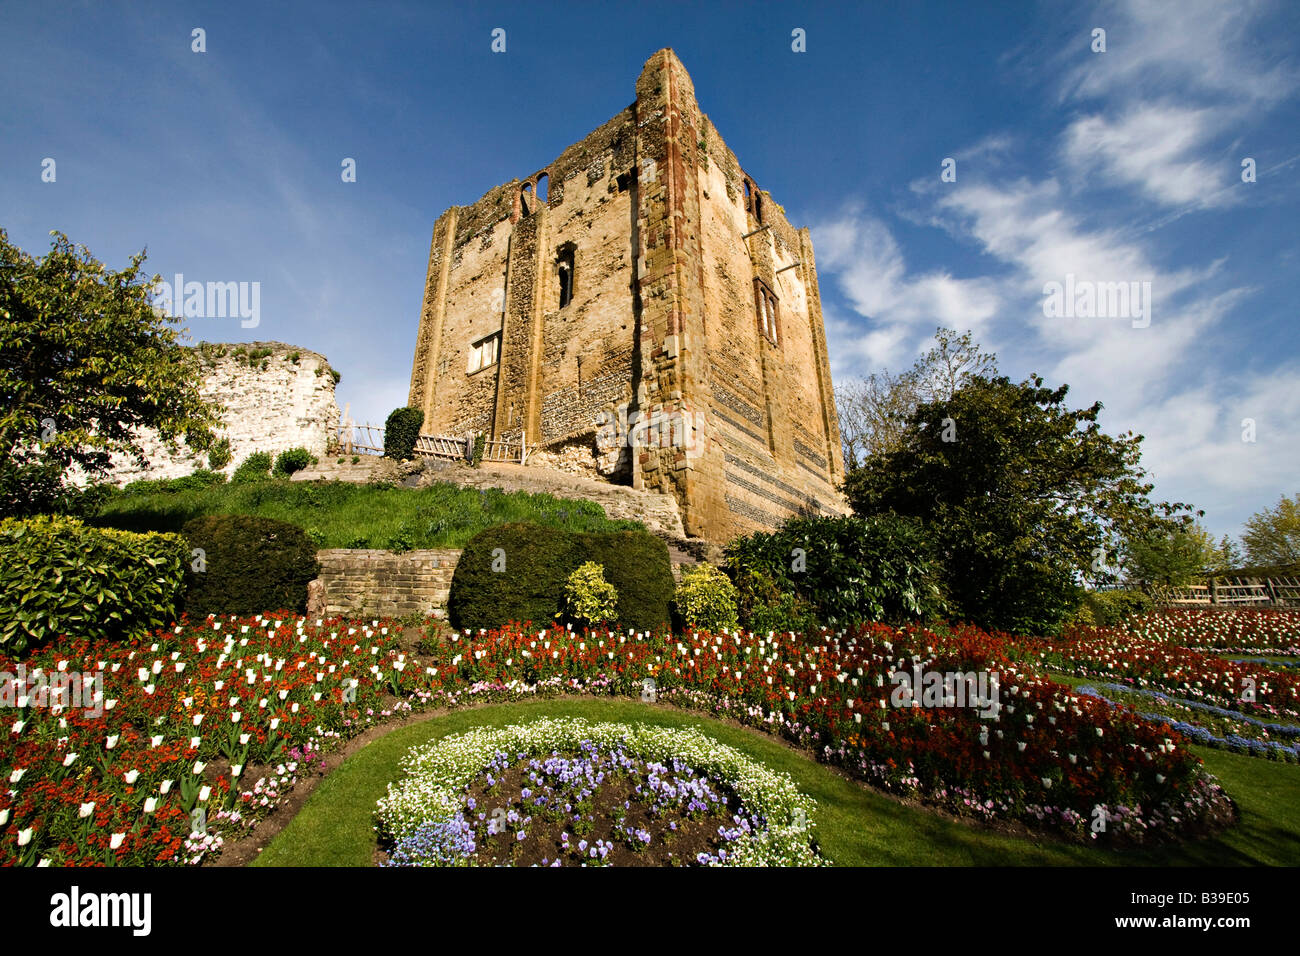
534 562
250 565
61 577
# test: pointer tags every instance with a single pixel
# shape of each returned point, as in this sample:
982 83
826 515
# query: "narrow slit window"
564 265
766 305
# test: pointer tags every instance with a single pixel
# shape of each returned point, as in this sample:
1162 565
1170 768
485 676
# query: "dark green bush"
534 562
60 577
847 569
764 607
250 565
400 432
219 456
255 467
291 460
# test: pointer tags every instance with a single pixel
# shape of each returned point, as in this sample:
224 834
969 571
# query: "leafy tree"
1272 536
873 411
1175 555
85 362
1022 496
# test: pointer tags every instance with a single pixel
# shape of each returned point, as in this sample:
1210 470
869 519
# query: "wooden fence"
453 448
1240 592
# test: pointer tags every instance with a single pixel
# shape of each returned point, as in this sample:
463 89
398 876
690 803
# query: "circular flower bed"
567 792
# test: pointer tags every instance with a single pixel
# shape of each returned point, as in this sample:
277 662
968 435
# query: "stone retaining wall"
382 583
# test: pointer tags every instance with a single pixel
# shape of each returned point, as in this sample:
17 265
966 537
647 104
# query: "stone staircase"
658 512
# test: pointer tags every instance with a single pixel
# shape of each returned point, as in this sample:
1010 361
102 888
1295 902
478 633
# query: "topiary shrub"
706 600
511 572
61 577
255 467
637 564
848 569
518 572
291 460
589 599
219 455
400 432
248 565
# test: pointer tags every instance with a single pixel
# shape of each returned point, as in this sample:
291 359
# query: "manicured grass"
343 515
855 826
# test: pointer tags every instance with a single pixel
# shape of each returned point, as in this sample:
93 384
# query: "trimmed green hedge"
59 576
250 565
533 564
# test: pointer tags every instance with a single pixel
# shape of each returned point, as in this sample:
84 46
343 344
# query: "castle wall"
662 328
284 399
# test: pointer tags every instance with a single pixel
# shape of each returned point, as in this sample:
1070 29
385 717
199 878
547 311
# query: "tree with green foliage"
1272 536
1023 497
1175 554
873 411
86 361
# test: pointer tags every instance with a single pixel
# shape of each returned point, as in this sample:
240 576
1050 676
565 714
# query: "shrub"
219 456
847 569
400 432
706 599
476 457
251 565
255 467
588 598
1108 608
291 460
58 576
765 608
518 572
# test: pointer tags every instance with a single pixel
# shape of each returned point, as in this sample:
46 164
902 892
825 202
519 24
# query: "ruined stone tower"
639 310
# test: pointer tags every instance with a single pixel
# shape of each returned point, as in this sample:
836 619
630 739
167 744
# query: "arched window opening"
542 188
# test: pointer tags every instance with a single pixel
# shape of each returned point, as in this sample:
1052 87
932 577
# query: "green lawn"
344 515
855 826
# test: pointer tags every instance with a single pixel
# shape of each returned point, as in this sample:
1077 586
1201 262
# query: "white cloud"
1152 147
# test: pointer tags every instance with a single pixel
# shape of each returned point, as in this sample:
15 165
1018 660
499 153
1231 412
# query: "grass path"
855 826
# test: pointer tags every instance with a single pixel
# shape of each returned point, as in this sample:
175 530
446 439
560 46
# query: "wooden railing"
361 439
1239 592
453 448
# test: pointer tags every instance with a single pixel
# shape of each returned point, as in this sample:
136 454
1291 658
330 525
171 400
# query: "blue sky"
1122 166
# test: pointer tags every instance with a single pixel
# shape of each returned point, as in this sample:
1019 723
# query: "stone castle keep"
640 311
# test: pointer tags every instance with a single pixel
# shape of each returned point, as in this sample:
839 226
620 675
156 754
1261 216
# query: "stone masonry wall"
284 399
385 584
661 339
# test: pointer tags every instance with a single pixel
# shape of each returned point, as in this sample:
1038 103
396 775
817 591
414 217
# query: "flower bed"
1207 724
570 792
1160 664
208 715
1262 630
